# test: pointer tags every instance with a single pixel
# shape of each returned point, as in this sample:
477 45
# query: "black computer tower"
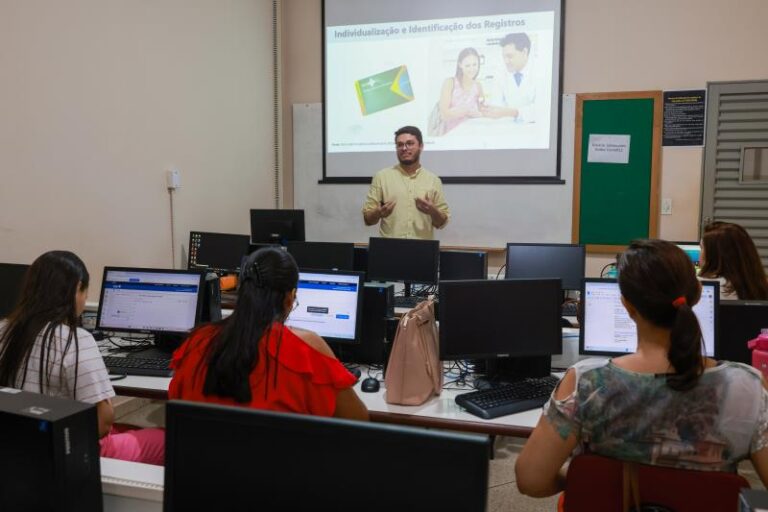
212 300
49 453
378 305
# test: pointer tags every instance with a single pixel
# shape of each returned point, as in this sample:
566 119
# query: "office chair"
595 483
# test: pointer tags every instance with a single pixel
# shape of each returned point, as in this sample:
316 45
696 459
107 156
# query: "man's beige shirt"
406 221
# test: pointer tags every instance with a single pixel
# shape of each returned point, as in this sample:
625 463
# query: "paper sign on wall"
608 149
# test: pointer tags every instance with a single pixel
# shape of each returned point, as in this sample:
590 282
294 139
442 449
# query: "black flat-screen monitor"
463 265
738 322
540 261
403 260
607 329
220 252
323 255
11 281
277 226
360 262
279 461
157 301
490 319
330 303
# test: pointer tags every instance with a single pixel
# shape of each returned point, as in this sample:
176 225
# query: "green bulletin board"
615 203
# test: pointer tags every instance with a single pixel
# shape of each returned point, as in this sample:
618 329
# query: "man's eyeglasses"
407 144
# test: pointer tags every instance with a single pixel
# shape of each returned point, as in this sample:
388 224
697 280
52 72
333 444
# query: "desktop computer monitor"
330 304
403 260
323 255
219 252
693 250
456 265
504 319
11 281
539 261
607 329
284 461
157 301
277 226
360 261
738 322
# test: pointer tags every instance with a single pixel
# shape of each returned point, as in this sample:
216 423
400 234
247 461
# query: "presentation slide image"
427 51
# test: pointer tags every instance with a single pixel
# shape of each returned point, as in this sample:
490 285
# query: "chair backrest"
596 483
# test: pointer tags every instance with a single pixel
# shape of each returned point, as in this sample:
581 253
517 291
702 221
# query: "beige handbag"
414 374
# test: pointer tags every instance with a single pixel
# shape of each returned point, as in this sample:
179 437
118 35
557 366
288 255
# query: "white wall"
610 45
99 97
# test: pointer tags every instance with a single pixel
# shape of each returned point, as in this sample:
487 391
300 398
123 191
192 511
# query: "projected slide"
482 88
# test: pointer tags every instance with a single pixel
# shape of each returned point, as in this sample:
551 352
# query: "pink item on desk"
759 348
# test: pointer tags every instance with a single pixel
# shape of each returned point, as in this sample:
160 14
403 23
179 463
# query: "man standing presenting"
406 200
516 88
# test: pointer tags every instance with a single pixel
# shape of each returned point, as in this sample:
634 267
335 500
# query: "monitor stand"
505 370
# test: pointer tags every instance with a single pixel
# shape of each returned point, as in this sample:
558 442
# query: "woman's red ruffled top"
290 376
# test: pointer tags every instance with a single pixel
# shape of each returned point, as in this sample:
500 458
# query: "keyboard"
408 302
150 367
519 396
570 309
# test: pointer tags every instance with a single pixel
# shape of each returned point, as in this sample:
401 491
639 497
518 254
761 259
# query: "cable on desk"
500 269
134 345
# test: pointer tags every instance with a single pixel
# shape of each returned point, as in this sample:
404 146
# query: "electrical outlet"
666 206
173 178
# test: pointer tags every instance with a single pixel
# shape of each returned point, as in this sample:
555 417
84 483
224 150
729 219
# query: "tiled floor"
502 491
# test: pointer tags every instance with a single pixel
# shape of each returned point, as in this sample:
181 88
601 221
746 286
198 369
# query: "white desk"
439 412
131 486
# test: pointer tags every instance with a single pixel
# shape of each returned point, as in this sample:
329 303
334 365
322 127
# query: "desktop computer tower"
378 305
212 299
49 453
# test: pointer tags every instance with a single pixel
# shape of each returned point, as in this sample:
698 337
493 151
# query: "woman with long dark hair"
729 255
666 404
253 359
42 350
462 95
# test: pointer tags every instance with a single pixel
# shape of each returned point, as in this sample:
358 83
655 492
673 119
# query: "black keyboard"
570 309
515 397
408 302
150 367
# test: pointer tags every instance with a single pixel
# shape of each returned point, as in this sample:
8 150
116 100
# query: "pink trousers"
145 445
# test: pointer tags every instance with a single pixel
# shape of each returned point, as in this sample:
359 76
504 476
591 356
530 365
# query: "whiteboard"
481 215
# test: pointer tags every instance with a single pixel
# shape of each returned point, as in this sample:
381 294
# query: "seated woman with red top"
252 359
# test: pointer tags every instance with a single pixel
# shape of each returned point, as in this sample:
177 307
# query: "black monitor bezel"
582 330
346 246
296 217
198 312
23 267
217 269
435 247
467 449
523 244
360 292
720 353
445 312
483 256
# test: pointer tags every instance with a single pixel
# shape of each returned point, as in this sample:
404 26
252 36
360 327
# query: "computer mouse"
370 385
